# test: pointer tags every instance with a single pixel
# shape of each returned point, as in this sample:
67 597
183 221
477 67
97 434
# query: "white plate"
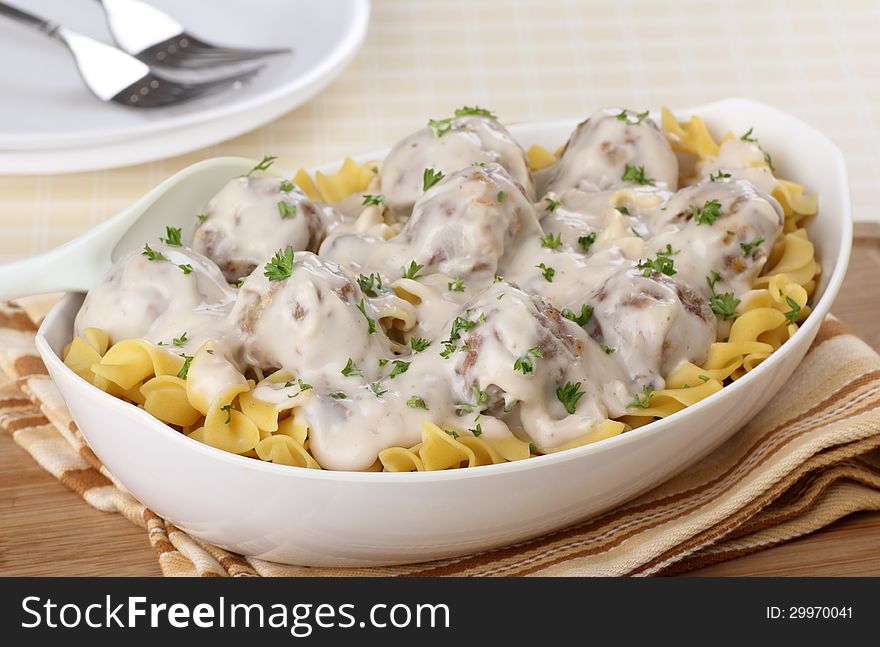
50 123
314 517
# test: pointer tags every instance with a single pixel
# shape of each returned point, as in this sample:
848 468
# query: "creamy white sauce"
403 314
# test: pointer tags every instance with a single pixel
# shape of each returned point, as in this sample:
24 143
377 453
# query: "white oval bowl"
326 518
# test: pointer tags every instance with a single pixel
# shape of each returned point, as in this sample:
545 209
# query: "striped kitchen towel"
811 457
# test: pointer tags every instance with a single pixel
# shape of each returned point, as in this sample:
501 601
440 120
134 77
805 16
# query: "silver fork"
154 37
113 75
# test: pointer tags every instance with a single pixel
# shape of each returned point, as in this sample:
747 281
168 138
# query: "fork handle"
28 19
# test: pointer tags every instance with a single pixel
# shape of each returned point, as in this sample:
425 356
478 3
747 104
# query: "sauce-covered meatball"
468 140
650 324
251 217
726 226
462 226
157 294
601 148
284 323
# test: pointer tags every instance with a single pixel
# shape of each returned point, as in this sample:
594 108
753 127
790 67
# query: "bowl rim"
55 318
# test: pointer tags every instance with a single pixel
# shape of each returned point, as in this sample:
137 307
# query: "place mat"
809 458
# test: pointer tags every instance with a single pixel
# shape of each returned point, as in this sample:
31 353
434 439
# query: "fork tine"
155 91
185 51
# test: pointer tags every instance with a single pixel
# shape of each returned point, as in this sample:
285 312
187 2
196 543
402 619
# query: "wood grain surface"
45 529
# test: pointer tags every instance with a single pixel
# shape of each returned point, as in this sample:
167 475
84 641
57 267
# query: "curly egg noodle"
207 397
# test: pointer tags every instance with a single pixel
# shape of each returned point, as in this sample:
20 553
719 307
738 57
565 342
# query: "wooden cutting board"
45 529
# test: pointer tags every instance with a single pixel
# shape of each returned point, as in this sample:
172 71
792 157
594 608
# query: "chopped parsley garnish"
456 285
412 272
712 279
663 263
460 323
452 433
569 395
748 247
371 323
533 448
498 279
351 370
303 386
180 341
524 363
550 241
153 255
399 367
376 199
586 241
747 137
377 389
240 281
382 361
607 349
710 212
639 117
201 218
466 111
186 268
636 174
172 237
286 186
477 431
582 319
448 348
548 272
184 370
479 403
280 267
418 344
286 210
794 314
370 285
430 178
415 402
552 205
642 401
623 210
338 395
724 304
440 126
228 409
718 175
263 164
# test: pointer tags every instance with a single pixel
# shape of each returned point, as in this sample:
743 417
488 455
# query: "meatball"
469 140
251 217
600 149
461 227
286 323
177 291
650 324
726 226
518 353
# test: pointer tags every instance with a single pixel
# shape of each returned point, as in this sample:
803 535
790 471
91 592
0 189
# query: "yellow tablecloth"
531 60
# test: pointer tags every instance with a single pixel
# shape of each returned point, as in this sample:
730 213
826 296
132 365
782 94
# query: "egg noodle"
206 397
